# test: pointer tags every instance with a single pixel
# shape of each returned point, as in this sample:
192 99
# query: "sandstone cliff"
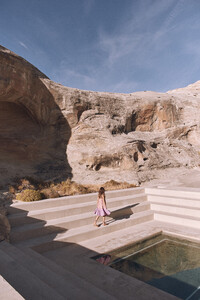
49 131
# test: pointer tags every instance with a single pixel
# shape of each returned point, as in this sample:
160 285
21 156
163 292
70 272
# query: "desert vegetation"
29 195
28 189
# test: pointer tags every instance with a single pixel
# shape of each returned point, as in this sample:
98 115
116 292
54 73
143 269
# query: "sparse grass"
29 190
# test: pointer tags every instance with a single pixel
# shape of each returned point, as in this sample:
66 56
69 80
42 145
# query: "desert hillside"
49 131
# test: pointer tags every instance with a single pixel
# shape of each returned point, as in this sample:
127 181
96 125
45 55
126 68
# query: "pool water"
166 262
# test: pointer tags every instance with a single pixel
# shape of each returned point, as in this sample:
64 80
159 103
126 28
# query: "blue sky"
107 45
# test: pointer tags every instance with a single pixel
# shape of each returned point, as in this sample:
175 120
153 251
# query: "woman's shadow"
121 213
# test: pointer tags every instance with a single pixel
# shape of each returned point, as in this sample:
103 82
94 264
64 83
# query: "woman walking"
101 210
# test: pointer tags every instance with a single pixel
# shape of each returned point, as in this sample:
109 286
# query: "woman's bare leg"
95 222
104 222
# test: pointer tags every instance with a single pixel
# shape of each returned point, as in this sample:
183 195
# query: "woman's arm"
104 202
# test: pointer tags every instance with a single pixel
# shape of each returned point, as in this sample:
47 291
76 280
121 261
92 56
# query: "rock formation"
49 131
33 130
5 199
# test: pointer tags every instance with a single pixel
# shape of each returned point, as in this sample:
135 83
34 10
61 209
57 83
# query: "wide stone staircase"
48 226
35 277
176 205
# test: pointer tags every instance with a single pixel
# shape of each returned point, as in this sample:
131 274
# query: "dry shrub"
50 193
29 195
12 189
31 190
25 184
110 185
114 185
68 188
92 188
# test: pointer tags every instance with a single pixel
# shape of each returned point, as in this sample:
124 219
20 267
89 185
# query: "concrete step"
68 210
177 219
69 200
177 193
23 281
41 228
80 282
186 202
75 235
69 286
174 209
8 292
114 240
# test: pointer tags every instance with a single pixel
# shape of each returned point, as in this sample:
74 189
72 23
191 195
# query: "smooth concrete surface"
42 282
64 233
7 292
23 280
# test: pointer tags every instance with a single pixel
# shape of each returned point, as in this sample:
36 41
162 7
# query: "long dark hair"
101 192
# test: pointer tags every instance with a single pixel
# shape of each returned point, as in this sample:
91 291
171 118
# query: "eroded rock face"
4 228
5 199
33 130
50 131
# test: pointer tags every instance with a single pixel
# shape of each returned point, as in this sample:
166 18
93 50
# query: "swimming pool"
169 263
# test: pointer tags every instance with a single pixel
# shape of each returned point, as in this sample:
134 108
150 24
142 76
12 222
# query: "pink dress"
101 210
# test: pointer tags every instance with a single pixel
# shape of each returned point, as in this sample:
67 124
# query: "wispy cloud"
119 46
168 23
23 45
138 35
123 85
135 50
134 41
73 78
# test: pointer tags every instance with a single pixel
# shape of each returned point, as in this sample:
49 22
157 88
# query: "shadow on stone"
122 213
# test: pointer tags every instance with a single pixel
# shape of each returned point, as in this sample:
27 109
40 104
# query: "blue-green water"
168 263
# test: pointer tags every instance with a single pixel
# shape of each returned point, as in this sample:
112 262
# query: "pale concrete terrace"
61 231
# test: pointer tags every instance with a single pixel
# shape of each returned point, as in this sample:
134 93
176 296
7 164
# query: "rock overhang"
33 131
